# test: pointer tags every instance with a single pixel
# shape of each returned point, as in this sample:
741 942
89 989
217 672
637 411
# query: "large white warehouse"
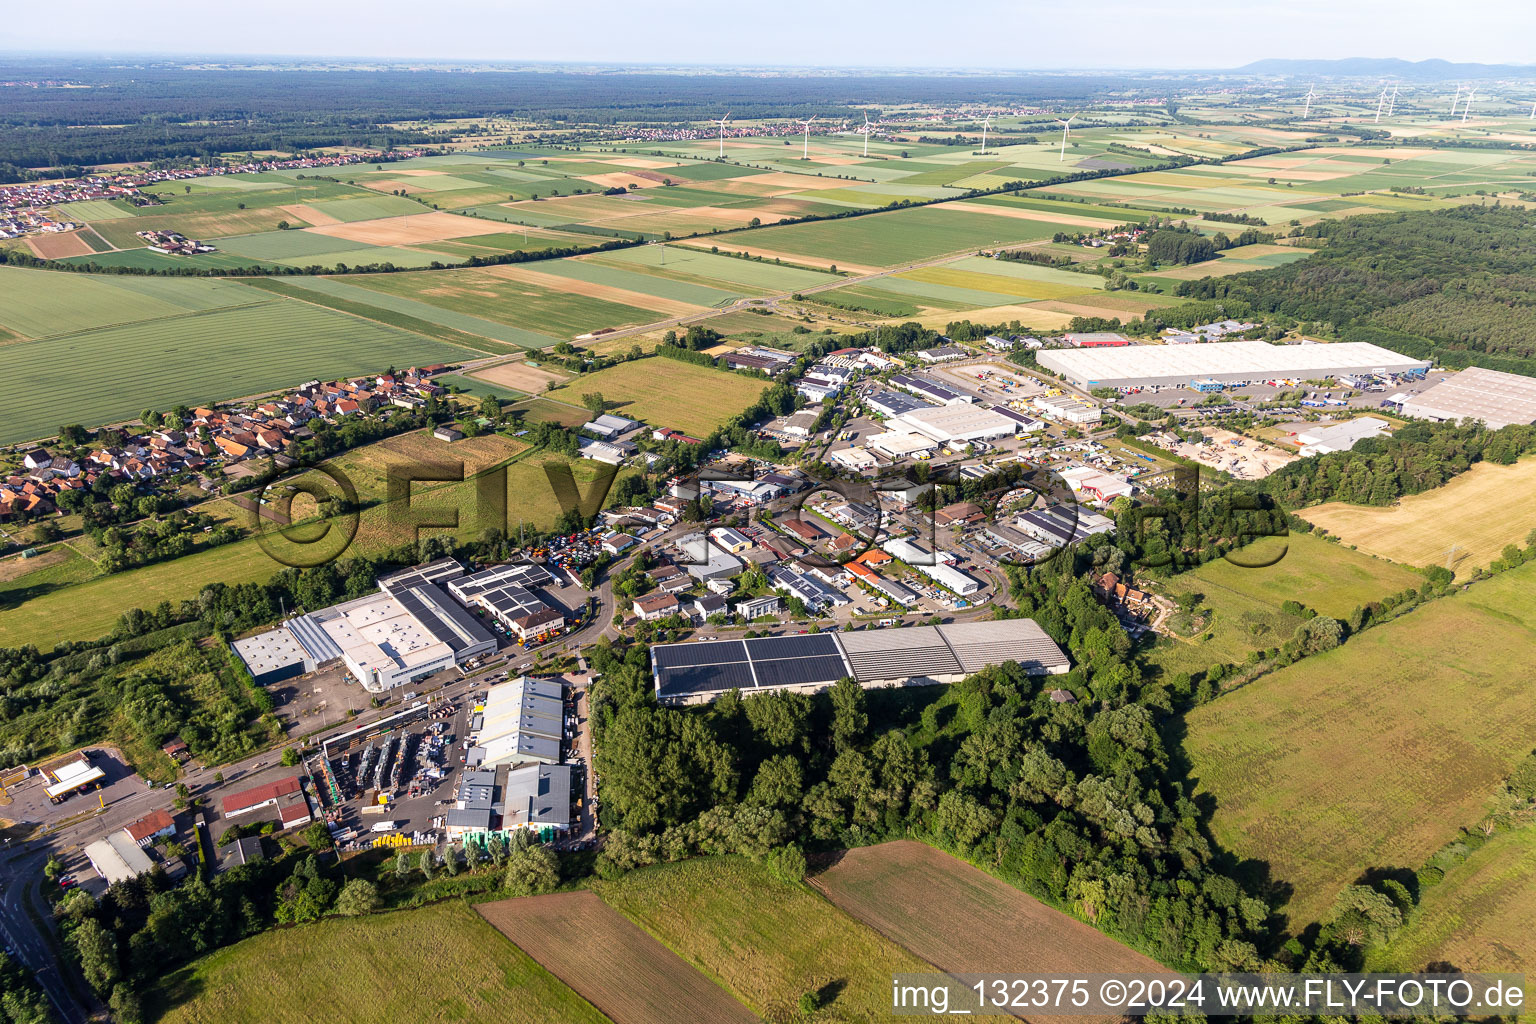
1495 397
957 423
1231 362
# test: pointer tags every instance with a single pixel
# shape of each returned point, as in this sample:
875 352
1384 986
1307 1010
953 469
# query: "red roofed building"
285 794
150 827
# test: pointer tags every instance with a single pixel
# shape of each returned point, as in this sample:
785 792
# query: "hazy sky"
839 33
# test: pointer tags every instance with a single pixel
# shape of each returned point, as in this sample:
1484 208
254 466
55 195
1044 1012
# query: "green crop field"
1372 755
110 373
285 245
646 284
492 294
668 393
371 208
728 272
345 290
42 303
93 210
438 963
144 259
763 940
886 239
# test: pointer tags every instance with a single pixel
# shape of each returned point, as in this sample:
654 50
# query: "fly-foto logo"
874 511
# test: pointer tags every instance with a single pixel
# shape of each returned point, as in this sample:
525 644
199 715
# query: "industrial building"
520 723
608 426
118 858
893 403
1229 362
957 424
1339 437
920 655
286 795
1068 409
929 389
900 444
389 641
1022 424
420 622
274 656
1498 399
499 800
925 562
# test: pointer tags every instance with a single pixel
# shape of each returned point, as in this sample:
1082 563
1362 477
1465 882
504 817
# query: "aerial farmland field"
130 343
1437 527
888 239
764 940
528 299
627 975
440 963
987 925
668 393
1419 720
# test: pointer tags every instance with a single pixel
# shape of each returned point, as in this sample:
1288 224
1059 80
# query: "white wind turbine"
1066 129
1533 111
1392 100
986 123
807 154
1466 111
721 123
1456 99
869 126
1311 95
1381 102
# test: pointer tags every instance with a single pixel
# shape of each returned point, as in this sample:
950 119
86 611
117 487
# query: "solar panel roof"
704 678
806 645
799 671
710 653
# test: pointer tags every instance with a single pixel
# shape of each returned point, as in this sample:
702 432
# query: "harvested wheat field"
309 215
519 376
420 227
629 976
58 245
1465 523
963 920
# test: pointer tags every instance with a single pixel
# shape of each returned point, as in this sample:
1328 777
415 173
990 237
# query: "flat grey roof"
1497 398
1223 360
267 652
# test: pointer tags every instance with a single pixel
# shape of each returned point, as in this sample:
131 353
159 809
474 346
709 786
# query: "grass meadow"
668 393
438 963
763 940
1417 721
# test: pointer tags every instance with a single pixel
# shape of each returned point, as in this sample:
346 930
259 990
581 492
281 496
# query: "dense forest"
111 112
1455 285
